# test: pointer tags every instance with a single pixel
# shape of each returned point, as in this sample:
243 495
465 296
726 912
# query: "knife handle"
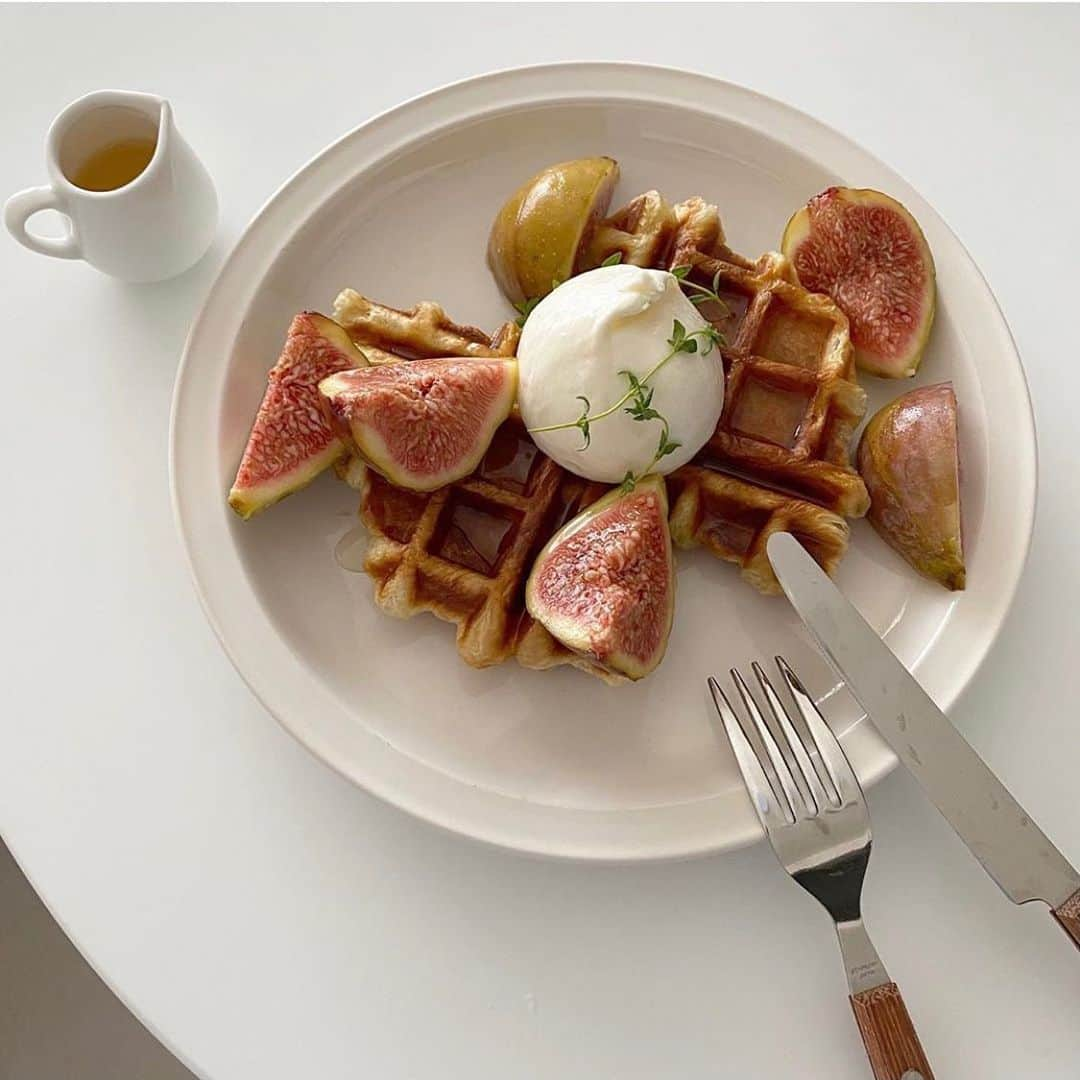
889 1035
1068 915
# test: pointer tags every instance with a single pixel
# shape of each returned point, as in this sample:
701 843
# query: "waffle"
780 457
386 335
734 518
791 403
463 552
641 233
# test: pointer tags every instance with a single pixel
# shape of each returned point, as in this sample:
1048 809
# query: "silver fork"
821 834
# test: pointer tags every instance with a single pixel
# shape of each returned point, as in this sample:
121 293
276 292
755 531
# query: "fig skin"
909 461
287 449
624 593
543 230
871 289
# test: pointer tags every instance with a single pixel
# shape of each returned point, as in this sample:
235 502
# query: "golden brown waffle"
641 233
699 232
386 335
780 457
733 519
791 403
464 552
648 231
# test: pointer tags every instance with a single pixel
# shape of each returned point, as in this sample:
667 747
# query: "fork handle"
1068 915
889 1035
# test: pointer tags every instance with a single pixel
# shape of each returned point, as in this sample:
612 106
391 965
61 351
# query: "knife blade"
997 830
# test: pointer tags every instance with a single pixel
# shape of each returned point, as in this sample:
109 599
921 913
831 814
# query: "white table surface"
268 920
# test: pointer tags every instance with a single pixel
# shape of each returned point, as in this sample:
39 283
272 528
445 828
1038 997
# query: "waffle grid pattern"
463 552
779 459
777 462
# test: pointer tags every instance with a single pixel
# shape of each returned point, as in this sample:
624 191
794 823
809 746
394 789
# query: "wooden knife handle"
889 1035
1068 914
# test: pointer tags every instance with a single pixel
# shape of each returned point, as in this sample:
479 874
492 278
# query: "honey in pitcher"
114 165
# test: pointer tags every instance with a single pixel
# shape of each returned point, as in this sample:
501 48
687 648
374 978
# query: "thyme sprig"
666 446
524 308
703 294
638 389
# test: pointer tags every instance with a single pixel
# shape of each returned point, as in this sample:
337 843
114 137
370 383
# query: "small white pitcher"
154 226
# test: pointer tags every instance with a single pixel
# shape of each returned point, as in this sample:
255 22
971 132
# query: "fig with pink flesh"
604 584
291 441
908 458
422 423
868 253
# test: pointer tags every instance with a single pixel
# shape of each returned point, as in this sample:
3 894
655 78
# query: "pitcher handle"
23 205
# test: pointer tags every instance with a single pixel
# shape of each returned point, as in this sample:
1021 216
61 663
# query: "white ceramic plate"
556 762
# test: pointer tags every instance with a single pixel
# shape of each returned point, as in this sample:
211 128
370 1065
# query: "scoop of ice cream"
581 340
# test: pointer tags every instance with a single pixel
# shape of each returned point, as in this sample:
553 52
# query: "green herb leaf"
702 294
712 338
525 309
640 411
583 423
666 446
613 259
680 272
628 482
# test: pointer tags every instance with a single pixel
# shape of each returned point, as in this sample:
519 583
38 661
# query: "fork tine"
780 766
828 746
772 809
798 748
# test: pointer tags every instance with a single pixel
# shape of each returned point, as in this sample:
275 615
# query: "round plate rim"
598 836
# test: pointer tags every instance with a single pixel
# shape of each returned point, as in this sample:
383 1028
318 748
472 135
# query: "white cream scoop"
575 344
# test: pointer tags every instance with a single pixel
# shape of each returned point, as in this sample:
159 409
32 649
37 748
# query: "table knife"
999 833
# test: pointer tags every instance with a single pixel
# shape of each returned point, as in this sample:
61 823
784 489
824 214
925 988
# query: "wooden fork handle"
1068 915
889 1035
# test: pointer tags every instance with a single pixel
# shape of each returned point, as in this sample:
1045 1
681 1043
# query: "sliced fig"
291 441
909 460
868 253
424 423
543 229
604 584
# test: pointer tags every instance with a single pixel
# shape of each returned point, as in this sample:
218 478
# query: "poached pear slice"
543 229
909 460
291 441
604 584
421 423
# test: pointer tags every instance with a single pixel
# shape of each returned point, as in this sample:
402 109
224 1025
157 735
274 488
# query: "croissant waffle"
463 552
780 456
386 335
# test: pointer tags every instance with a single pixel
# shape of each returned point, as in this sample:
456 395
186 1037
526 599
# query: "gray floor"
58 1020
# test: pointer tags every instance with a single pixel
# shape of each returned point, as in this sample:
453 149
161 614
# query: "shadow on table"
57 1018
